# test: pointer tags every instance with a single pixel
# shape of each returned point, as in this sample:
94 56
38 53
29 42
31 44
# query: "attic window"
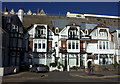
57 30
86 31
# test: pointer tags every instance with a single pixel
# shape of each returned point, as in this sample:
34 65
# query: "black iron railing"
40 36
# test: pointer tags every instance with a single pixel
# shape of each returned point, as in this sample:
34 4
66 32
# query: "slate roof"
61 22
15 20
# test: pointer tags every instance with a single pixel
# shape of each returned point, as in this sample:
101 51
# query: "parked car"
39 68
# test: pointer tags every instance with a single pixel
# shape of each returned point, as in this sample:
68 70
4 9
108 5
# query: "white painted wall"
54 42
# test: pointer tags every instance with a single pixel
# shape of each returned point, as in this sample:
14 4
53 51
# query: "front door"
103 60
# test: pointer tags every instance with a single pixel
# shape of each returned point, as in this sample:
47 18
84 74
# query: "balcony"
63 49
73 37
40 36
86 37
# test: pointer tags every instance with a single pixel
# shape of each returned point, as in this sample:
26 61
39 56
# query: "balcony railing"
85 37
40 36
73 37
63 49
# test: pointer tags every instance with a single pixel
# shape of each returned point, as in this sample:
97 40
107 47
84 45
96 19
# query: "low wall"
8 70
104 68
1 71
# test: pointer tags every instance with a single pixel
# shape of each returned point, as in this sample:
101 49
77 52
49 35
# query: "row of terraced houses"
70 45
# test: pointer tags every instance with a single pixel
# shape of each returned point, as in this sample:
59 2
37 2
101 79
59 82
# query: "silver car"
39 68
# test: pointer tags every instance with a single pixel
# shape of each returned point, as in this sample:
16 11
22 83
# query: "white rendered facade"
72 46
116 39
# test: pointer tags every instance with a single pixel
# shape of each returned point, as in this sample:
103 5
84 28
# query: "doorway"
89 64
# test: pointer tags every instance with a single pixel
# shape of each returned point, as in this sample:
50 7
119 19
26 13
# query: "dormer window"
40 31
72 32
103 32
57 30
86 31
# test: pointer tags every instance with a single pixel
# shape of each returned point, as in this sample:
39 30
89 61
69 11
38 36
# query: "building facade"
116 39
14 43
71 45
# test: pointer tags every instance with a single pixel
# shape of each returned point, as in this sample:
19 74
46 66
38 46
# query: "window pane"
35 45
73 45
107 45
103 45
100 46
43 45
69 45
39 45
76 45
41 31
